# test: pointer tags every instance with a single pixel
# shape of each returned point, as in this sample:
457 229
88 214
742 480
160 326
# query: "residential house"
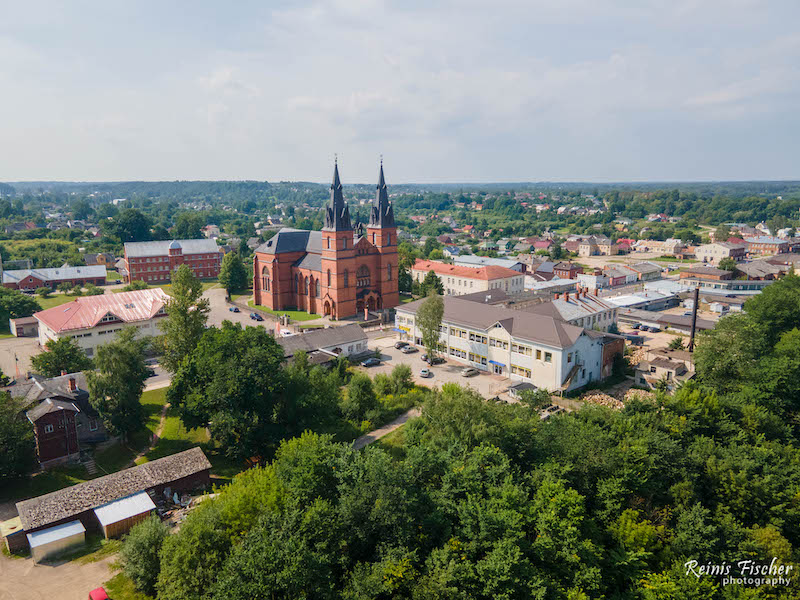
594 280
647 271
102 258
325 345
597 245
658 372
668 247
567 270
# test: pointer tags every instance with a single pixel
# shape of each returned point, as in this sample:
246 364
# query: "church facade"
340 271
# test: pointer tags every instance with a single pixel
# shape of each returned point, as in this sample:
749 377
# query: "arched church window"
389 272
346 278
362 276
373 238
317 289
265 279
305 286
329 278
295 283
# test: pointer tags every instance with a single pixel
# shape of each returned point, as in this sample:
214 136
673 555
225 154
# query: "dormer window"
109 318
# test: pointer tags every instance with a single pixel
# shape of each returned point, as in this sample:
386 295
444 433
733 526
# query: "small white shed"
55 540
117 517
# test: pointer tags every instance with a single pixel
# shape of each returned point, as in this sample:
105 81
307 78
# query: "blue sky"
462 90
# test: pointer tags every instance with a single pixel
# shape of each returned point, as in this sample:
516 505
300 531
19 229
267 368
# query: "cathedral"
337 272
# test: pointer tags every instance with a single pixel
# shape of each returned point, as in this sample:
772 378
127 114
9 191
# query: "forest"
484 500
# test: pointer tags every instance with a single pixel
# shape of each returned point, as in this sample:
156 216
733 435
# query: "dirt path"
372 436
63 580
156 435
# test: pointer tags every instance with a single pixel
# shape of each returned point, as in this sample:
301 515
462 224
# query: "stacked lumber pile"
595 397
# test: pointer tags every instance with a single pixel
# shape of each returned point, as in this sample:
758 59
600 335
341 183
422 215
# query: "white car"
286 333
425 373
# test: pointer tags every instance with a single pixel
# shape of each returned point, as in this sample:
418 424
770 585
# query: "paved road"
16 354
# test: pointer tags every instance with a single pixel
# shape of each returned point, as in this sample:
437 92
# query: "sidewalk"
372 436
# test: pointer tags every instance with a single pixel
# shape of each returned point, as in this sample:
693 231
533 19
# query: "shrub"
43 292
359 398
140 553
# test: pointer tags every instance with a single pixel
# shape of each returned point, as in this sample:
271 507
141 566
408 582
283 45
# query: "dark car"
117 281
370 362
636 325
234 309
400 345
256 317
151 372
436 361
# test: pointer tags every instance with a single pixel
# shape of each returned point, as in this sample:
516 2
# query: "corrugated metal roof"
86 312
55 274
124 508
53 534
161 248
486 272
323 338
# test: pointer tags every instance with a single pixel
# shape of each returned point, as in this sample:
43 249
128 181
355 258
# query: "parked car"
118 281
469 372
425 373
151 373
409 349
234 309
636 325
400 345
687 313
98 594
370 362
286 333
436 361
256 317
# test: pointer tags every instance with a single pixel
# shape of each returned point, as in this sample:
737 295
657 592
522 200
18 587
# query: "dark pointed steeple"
382 213
337 213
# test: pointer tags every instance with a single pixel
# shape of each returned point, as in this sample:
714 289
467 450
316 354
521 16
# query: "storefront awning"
494 362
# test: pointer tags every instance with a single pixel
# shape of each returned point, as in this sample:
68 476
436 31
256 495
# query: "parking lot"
486 384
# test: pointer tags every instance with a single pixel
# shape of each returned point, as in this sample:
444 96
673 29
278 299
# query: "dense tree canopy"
61 355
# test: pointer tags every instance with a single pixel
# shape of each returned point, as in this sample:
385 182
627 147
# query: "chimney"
73 385
566 296
596 291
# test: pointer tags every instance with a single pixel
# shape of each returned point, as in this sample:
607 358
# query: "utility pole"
694 318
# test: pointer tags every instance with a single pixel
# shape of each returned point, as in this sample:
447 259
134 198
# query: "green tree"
187 313
429 320
61 355
676 343
130 225
64 287
115 389
535 398
140 553
234 384
17 449
727 264
15 304
431 282
43 292
136 284
232 273
359 398
188 226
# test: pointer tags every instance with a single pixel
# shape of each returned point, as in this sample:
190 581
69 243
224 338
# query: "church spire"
337 213
382 213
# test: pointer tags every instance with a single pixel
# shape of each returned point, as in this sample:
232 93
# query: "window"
389 272
346 278
362 277
515 370
305 285
328 240
569 358
329 278
92 424
538 355
548 357
388 239
317 289
373 238
295 283
344 243
48 428
265 279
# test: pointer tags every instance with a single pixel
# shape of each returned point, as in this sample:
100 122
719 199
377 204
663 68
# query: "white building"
459 280
95 320
592 281
547 352
580 309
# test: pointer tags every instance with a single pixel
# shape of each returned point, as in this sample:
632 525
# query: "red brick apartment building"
154 262
339 271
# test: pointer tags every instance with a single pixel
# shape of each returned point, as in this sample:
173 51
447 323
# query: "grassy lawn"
394 443
42 483
174 438
674 260
240 294
121 587
295 315
167 287
406 298
56 299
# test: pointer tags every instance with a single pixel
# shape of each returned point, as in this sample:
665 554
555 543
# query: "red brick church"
339 271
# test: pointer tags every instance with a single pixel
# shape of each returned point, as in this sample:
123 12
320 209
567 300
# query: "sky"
445 91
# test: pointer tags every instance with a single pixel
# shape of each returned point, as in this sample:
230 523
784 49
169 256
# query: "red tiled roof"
86 312
487 272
